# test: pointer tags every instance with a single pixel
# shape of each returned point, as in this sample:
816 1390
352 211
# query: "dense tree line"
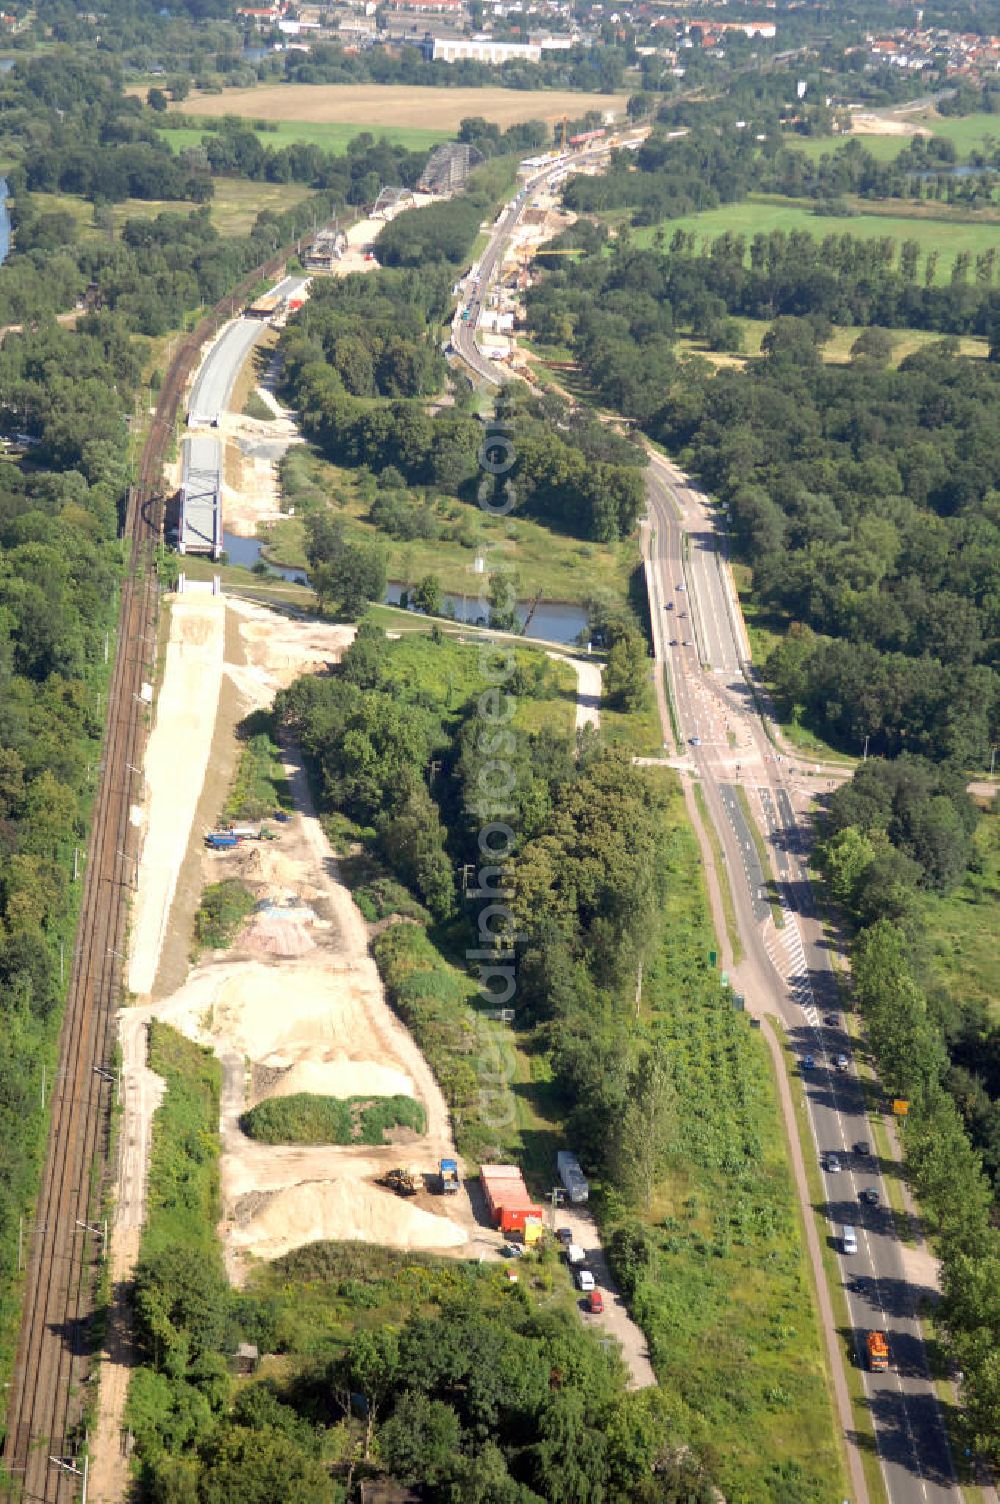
897 829
866 500
355 175
374 332
587 869
864 497
552 480
158 269
667 178
481 1396
376 336
59 562
594 70
435 233
845 278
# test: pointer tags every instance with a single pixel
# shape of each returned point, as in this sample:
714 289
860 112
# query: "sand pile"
342 1078
313 1211
265 862
270 1015
283 935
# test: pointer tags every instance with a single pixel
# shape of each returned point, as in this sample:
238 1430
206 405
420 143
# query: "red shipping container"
507 1197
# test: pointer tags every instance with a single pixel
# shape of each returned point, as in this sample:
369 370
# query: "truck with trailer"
877 1348
221 840
572 1177
448 1171
507 1197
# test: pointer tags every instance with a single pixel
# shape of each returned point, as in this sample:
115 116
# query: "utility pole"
69 1465
864 755
114 1077
993 759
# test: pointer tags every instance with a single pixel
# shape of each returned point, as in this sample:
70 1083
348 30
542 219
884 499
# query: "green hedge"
304 1118
222 910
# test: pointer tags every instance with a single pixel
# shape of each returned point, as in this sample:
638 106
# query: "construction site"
542 219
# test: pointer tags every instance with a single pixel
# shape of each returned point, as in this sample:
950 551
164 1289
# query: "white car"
584 1279
575 1254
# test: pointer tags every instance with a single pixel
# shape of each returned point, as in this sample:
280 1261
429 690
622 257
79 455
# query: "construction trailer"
572 1177
510 1204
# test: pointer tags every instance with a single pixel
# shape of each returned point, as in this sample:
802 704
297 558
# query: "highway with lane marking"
700 641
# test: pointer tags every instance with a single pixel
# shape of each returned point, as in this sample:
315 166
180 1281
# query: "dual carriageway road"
787 972
700 643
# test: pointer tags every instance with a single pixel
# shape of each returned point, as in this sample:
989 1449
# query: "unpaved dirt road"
614 1320
174 767
588 689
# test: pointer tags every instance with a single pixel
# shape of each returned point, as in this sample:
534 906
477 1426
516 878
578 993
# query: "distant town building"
430 7
482 50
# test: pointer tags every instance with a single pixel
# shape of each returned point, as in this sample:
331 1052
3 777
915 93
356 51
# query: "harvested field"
361 104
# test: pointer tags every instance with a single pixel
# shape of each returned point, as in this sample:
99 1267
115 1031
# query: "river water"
552 621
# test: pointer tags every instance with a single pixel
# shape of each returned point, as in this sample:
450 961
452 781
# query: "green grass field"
235 206
837 349
962 928
882 148
330 135
562 568
968 132
763 213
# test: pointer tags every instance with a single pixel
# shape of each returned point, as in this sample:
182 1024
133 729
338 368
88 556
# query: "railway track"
48 1395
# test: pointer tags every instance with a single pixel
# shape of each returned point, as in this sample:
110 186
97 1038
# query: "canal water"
551 621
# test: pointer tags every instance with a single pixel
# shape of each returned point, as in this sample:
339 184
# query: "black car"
869 1196
832 1020
565 1235
863 1148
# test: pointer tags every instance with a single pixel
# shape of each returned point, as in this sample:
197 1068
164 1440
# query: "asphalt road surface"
464 330
788 969
213 386
700 638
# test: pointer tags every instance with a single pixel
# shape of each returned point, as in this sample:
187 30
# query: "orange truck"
878 1352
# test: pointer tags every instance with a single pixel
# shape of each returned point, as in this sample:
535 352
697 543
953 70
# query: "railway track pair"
47 1399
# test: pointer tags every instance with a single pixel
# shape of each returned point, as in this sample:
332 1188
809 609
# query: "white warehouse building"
482 50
